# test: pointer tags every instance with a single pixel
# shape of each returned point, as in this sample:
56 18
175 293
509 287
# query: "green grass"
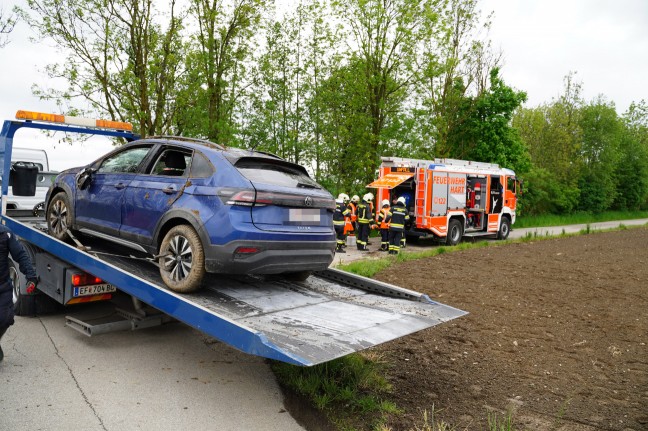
576 218
354 387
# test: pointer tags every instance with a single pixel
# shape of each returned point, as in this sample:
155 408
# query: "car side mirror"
84 178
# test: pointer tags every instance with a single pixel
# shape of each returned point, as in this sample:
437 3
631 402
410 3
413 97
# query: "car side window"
172 162
126 161
201 167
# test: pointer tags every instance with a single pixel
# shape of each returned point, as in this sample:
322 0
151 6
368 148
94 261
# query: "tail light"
258 198
85 279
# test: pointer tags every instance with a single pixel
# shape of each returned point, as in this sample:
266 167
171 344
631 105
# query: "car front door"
151 194
99 205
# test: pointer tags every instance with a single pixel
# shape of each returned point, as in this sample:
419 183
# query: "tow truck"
329 315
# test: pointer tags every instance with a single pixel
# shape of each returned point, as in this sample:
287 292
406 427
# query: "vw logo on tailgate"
308 201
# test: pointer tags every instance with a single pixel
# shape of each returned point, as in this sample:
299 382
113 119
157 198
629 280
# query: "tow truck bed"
329 315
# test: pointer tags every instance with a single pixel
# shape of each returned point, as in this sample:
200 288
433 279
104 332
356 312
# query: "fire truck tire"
455 232
505 229
59 216
182 259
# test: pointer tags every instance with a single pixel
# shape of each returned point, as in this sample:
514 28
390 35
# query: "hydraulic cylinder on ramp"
329 315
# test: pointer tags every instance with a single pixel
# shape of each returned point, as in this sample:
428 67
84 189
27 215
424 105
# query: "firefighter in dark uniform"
10 245
384 225
365 220
339 220
397 218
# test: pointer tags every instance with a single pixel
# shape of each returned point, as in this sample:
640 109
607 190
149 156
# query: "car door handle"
169 190
120 186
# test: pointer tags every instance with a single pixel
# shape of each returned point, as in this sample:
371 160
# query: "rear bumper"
273 257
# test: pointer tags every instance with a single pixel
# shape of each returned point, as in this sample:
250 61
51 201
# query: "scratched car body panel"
254 212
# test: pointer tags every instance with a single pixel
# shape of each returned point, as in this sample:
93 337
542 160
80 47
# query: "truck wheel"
59 216
28 305
24 305
505 229
454 232
182 259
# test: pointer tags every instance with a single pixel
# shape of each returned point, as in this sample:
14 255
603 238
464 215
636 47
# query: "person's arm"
19 254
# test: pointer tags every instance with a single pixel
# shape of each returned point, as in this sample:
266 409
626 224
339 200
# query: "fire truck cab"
449 198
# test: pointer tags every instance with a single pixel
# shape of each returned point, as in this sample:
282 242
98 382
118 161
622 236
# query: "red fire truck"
450 198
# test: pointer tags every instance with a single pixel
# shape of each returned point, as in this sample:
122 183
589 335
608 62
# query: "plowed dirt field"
557 334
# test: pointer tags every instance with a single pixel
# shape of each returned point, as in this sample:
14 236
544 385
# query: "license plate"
304 215
95 289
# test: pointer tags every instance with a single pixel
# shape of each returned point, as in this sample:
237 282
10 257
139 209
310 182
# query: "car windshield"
262 171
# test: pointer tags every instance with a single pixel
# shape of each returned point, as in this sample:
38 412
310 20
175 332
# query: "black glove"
31 284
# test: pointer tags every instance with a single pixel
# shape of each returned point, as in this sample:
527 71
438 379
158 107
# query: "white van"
43 181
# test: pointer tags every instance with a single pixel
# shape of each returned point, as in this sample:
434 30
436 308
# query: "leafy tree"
384 42
486 133
632 170
119 60
599 152
224 42
455 64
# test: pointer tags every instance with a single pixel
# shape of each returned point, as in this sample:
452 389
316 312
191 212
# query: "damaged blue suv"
199 207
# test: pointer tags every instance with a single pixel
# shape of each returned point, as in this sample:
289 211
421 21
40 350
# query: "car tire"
59 216
455 232
182 259
505 229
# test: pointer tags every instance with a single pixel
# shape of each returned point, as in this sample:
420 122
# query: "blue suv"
199 207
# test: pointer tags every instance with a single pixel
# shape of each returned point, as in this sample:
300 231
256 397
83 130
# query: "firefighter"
340 214
397 224
384 225
365 221
372 213
350 226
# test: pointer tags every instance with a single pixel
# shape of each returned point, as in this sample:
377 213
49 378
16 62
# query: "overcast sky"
604 41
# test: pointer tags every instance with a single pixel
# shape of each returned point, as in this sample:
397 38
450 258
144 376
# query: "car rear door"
152 193
99 205
287 199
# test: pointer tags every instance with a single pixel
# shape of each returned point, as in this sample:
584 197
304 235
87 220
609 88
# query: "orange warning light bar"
74 121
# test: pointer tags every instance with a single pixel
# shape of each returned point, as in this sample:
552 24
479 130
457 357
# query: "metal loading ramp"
329 315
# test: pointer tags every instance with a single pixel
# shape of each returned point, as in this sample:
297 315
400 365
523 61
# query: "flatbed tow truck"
327 316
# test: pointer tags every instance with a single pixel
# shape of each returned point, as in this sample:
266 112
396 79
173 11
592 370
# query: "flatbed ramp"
327 316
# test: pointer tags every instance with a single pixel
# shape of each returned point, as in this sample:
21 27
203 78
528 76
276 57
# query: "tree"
384 42
224 42
486 133
7 24
119 60
599 153
456 62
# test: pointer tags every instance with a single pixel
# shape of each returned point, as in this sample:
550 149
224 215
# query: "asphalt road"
166 378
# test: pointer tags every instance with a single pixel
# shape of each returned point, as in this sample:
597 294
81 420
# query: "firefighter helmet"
385 202
355 198
343 197
368 197
401 200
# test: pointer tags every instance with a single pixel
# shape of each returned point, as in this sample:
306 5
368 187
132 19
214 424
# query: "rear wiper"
307 186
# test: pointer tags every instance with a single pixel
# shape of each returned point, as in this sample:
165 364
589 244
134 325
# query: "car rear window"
280 174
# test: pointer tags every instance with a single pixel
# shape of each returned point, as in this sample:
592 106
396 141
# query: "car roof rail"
191 140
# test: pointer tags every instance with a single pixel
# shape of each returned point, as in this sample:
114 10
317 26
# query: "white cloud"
605 42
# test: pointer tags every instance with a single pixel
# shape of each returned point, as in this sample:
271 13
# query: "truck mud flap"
330 315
